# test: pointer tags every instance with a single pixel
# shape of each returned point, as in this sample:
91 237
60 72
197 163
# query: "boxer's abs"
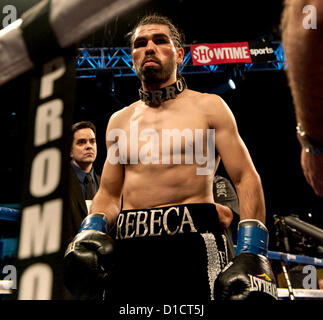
148 187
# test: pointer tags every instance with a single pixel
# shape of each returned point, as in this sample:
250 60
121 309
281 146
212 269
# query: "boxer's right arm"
89 257
108 198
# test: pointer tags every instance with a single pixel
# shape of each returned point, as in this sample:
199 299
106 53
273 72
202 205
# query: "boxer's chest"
159 135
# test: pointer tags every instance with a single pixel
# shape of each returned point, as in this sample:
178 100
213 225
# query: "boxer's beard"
156 74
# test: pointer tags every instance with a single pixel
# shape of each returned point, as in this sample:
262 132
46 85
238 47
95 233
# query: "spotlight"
231 84
221 89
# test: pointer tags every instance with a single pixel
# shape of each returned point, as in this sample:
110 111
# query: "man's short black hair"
83 125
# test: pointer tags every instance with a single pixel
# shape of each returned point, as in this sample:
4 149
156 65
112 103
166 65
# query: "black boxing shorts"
168 253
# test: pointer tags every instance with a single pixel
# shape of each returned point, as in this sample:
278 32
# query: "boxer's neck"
156 97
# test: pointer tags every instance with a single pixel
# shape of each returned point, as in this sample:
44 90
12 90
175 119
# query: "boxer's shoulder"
121 116
209 105
204 100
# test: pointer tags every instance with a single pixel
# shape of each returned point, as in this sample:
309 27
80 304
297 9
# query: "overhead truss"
118 62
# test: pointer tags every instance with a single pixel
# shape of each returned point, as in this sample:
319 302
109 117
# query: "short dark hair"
83 125
176 34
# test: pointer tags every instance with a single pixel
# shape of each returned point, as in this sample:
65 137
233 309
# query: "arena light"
231 84
223 88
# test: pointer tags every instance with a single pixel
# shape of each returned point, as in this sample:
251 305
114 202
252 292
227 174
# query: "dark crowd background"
261 103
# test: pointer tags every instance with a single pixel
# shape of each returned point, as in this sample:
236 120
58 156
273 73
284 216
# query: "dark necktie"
89 187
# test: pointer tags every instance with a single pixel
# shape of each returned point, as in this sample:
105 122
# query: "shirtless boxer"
167 242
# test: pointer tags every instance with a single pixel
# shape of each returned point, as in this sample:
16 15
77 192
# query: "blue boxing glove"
249 274
88 259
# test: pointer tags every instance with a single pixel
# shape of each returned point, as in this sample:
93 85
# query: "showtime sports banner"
235 52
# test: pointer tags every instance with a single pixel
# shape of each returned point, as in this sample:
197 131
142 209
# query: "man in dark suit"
84 182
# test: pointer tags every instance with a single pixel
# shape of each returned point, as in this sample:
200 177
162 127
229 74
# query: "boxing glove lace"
88 259
249 274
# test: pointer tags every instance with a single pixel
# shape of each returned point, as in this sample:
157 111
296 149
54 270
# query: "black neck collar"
163 94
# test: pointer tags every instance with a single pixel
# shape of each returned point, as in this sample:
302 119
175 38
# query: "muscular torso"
155 180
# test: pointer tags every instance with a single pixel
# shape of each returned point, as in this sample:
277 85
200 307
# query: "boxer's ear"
180 55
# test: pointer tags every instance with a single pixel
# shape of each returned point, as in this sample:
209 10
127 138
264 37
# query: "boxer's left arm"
250 265
237 161
225 215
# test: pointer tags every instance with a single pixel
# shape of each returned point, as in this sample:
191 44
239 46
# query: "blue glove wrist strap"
252 237
94 221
